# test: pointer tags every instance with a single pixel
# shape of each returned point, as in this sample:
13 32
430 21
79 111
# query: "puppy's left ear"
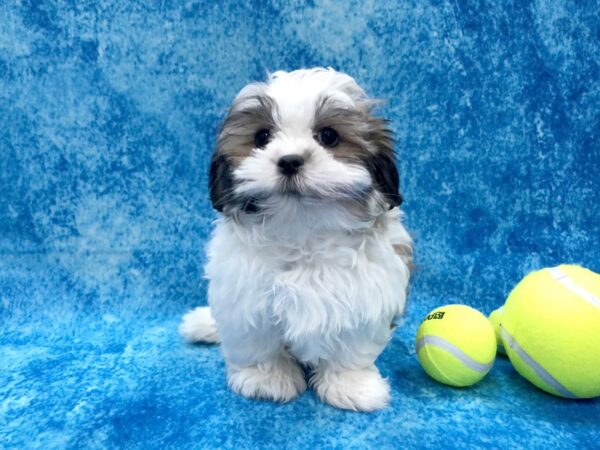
385 177
382 164
220 181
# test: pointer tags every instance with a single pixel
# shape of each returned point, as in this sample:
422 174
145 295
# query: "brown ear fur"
382 164
220 181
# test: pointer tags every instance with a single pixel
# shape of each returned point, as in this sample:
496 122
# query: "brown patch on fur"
406 253
364 140
247 116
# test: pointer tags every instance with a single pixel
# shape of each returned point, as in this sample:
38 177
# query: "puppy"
309 263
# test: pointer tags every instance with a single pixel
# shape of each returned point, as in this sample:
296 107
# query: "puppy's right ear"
220 181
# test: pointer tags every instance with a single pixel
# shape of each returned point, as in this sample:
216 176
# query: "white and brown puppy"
309 263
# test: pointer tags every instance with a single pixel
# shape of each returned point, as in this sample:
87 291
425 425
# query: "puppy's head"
306 136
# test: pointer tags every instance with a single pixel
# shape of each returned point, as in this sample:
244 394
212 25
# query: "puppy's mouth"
293 186
296 190
287 188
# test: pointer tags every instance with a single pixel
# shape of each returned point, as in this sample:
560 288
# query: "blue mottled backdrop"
108 114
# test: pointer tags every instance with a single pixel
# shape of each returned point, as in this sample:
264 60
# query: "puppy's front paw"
280 380
357 390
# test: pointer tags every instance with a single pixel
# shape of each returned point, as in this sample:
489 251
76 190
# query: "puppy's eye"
262 138
328 137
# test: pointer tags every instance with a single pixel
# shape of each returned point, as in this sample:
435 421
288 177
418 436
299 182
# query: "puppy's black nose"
289 164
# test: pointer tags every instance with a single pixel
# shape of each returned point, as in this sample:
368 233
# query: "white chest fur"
315 294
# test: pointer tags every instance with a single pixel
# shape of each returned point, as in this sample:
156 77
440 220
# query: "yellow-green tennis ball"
551 330
456 345
495 318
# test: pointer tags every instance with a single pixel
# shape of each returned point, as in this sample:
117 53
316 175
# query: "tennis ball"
456 345
495 318
551 330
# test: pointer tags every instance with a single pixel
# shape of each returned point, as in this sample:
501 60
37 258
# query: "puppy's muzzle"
289 165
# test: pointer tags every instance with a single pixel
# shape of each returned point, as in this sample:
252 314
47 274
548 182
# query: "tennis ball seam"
565 280
456 352
432 361
545 376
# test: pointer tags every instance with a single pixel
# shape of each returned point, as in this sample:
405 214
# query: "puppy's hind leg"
198 325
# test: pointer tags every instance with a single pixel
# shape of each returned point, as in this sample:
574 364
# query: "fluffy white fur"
199 326
308 280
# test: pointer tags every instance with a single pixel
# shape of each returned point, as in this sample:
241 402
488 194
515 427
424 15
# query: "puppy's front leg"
279 379
258 367
355 389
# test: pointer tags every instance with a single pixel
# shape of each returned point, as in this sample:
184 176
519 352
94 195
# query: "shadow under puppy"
309 262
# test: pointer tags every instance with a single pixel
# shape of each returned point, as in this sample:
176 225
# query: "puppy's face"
305 136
